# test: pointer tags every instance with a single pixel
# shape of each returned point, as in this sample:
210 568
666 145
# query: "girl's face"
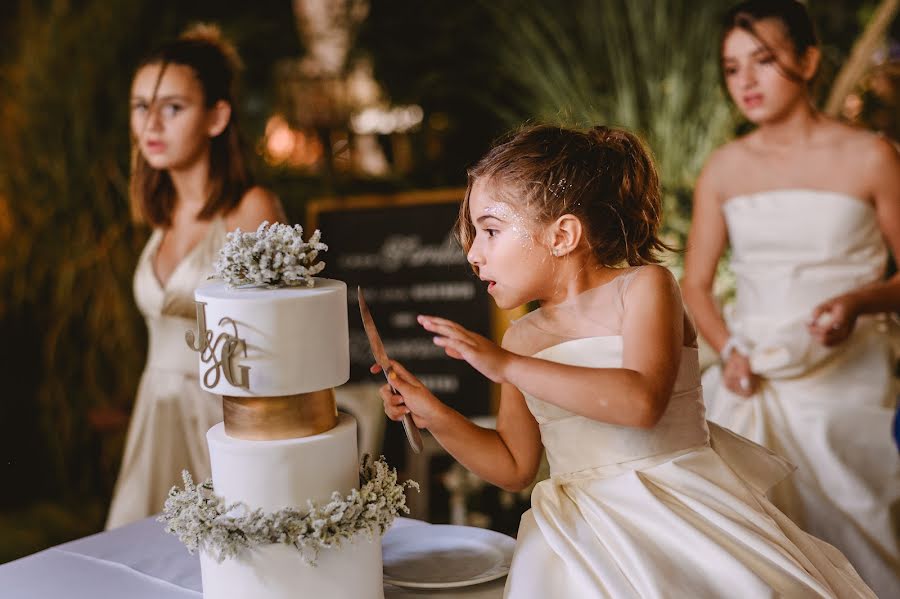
756 77
174 129
508 249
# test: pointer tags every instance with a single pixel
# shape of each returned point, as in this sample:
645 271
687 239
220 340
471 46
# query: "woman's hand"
412 397
738 377
481 353
833 321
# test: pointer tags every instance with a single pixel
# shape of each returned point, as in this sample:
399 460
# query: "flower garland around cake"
202 520
274 256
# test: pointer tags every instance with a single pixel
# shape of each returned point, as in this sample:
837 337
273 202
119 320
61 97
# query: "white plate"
441 556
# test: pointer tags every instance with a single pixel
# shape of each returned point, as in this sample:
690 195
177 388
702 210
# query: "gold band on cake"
285 417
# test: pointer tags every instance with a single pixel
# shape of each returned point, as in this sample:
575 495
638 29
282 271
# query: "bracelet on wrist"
735 343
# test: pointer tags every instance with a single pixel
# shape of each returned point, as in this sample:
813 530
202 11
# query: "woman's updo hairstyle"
213 58
605 177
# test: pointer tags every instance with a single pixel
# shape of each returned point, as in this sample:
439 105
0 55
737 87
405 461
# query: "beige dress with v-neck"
171 413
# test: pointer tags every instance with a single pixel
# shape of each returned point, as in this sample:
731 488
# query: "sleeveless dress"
827 410
678 510
172 413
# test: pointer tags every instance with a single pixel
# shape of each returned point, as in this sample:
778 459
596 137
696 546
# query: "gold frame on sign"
500 319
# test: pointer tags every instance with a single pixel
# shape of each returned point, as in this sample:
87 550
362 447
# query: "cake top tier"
219 290
260 342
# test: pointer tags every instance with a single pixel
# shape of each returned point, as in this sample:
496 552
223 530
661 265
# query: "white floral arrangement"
202 520
274 256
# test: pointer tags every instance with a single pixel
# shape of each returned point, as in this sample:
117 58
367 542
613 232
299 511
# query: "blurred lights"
853 106
280 139
301 148
384 121
284 145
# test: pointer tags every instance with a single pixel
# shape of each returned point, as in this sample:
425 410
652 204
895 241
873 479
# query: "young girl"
190 182
643 499
809 207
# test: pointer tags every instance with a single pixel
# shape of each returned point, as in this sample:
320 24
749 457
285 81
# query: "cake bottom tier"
286 473
353 571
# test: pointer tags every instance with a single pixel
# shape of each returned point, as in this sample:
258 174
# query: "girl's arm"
705 245
507 457
634 395
881 296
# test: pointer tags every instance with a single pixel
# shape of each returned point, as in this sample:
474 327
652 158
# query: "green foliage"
65 236
650 66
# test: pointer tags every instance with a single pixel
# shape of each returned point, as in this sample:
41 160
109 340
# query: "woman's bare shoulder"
258 204
724 165
729 155
866 154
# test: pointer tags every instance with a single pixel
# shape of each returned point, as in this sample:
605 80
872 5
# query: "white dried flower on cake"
274 256
202 520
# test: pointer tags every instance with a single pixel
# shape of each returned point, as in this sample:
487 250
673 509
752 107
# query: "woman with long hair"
190 181
810 208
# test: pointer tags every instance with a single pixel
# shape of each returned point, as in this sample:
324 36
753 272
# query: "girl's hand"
481 353
412 397
738 377
833 321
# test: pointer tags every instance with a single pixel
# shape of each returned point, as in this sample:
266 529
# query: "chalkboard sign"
402 251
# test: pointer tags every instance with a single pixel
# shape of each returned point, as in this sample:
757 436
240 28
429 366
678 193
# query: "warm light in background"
384 121
285 146
853 106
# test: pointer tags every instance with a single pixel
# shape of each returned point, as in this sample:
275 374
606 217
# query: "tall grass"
68 319
650 66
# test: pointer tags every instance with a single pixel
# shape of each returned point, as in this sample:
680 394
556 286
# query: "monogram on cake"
284 513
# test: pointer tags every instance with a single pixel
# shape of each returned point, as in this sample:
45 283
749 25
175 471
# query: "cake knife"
412 432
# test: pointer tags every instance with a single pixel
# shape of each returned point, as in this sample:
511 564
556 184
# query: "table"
142 561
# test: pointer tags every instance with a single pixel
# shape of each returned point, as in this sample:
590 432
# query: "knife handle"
409 427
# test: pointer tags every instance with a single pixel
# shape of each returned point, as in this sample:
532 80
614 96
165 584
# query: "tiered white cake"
296 337
282 342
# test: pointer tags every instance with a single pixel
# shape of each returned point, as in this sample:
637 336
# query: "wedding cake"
283 515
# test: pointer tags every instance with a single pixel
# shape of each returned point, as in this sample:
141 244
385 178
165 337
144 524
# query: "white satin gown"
827 410
171 413
675 511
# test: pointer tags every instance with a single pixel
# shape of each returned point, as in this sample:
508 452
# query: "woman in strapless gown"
808 207
827 409
643 499
190 183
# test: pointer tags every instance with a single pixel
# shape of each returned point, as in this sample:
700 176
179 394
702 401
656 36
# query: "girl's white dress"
827 410
172 413
676 511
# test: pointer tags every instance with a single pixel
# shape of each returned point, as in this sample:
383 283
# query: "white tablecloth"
142 561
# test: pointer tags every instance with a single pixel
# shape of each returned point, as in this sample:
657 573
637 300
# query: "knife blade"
381 357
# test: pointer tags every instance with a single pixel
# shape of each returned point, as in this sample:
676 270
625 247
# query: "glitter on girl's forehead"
518 222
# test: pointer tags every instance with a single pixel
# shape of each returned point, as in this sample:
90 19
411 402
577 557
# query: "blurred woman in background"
810 208
191 183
